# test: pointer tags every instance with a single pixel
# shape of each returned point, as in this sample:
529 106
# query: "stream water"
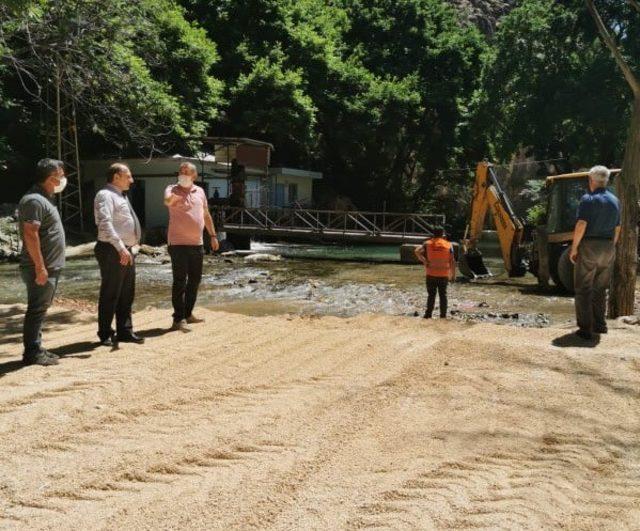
319 280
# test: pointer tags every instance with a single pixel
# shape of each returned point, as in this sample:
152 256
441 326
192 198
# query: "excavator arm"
488 196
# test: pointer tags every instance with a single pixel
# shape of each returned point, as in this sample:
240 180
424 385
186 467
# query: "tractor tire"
565 271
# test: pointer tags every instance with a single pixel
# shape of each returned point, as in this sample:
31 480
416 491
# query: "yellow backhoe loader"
541 250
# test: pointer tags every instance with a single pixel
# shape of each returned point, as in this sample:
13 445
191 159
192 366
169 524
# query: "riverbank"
314 287
288 422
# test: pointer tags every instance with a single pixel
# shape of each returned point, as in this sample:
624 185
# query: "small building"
292 187
264 186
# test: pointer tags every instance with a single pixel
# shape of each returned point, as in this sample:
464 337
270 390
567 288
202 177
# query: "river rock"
9 254
10 244
408 254
150 250
147 259
262 257
80 251
629 319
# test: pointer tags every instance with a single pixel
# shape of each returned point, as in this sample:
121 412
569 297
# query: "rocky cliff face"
484 13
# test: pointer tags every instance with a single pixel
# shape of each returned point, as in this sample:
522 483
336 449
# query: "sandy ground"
319 423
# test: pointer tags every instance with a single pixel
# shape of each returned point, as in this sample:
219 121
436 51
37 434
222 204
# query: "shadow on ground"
153 332
11 320
572 340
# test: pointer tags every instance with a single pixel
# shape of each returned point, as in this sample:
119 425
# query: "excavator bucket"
472 265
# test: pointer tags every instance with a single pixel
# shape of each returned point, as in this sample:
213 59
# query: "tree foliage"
550 86
138 73
383 96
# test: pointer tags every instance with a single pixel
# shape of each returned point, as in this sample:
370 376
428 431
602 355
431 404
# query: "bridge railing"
326 221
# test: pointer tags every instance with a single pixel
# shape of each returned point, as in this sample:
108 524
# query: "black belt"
600 238
128 248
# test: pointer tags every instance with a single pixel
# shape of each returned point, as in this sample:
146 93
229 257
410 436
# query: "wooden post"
542 246
623 282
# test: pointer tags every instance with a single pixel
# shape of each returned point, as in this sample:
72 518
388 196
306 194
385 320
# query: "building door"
293 194
280 195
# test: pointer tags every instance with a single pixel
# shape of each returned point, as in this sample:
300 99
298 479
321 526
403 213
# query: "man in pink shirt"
188 216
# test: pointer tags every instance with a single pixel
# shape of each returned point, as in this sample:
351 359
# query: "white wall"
158 173
304 184
221 184
155 209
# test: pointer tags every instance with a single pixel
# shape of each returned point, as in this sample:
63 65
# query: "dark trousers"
592 277
117 290
39 298
439 285
186 265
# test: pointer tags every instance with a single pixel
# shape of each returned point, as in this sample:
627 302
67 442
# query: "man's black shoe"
602 330
50 354
108 342
130 338
583 334
40 359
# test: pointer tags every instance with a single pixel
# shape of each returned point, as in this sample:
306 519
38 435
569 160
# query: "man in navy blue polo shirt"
593 252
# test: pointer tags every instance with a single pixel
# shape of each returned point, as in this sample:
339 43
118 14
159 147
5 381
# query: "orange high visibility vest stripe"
438 253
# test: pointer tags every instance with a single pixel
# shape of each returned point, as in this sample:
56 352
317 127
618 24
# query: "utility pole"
70 200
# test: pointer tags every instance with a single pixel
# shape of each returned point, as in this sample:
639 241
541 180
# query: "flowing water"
318 280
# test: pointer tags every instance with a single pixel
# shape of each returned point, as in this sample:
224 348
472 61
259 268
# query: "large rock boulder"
80 251
262 257
10 243
408 254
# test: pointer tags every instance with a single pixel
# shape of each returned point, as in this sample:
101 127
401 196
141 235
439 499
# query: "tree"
550 89
271 102
622 296
375 94
137 72
432 57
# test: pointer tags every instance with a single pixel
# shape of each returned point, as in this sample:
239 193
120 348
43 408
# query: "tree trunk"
623 283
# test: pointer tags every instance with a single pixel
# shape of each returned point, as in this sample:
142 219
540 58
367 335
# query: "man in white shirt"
118 232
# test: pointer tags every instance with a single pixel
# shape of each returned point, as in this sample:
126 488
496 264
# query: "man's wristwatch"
214 236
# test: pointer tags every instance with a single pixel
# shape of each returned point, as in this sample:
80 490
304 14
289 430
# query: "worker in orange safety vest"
440 266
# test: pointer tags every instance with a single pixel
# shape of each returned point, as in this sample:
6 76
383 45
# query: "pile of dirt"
319 423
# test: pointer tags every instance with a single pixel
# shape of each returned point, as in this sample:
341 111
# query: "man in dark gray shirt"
42 259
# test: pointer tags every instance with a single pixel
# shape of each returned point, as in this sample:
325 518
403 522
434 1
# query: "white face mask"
185 181
61 186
